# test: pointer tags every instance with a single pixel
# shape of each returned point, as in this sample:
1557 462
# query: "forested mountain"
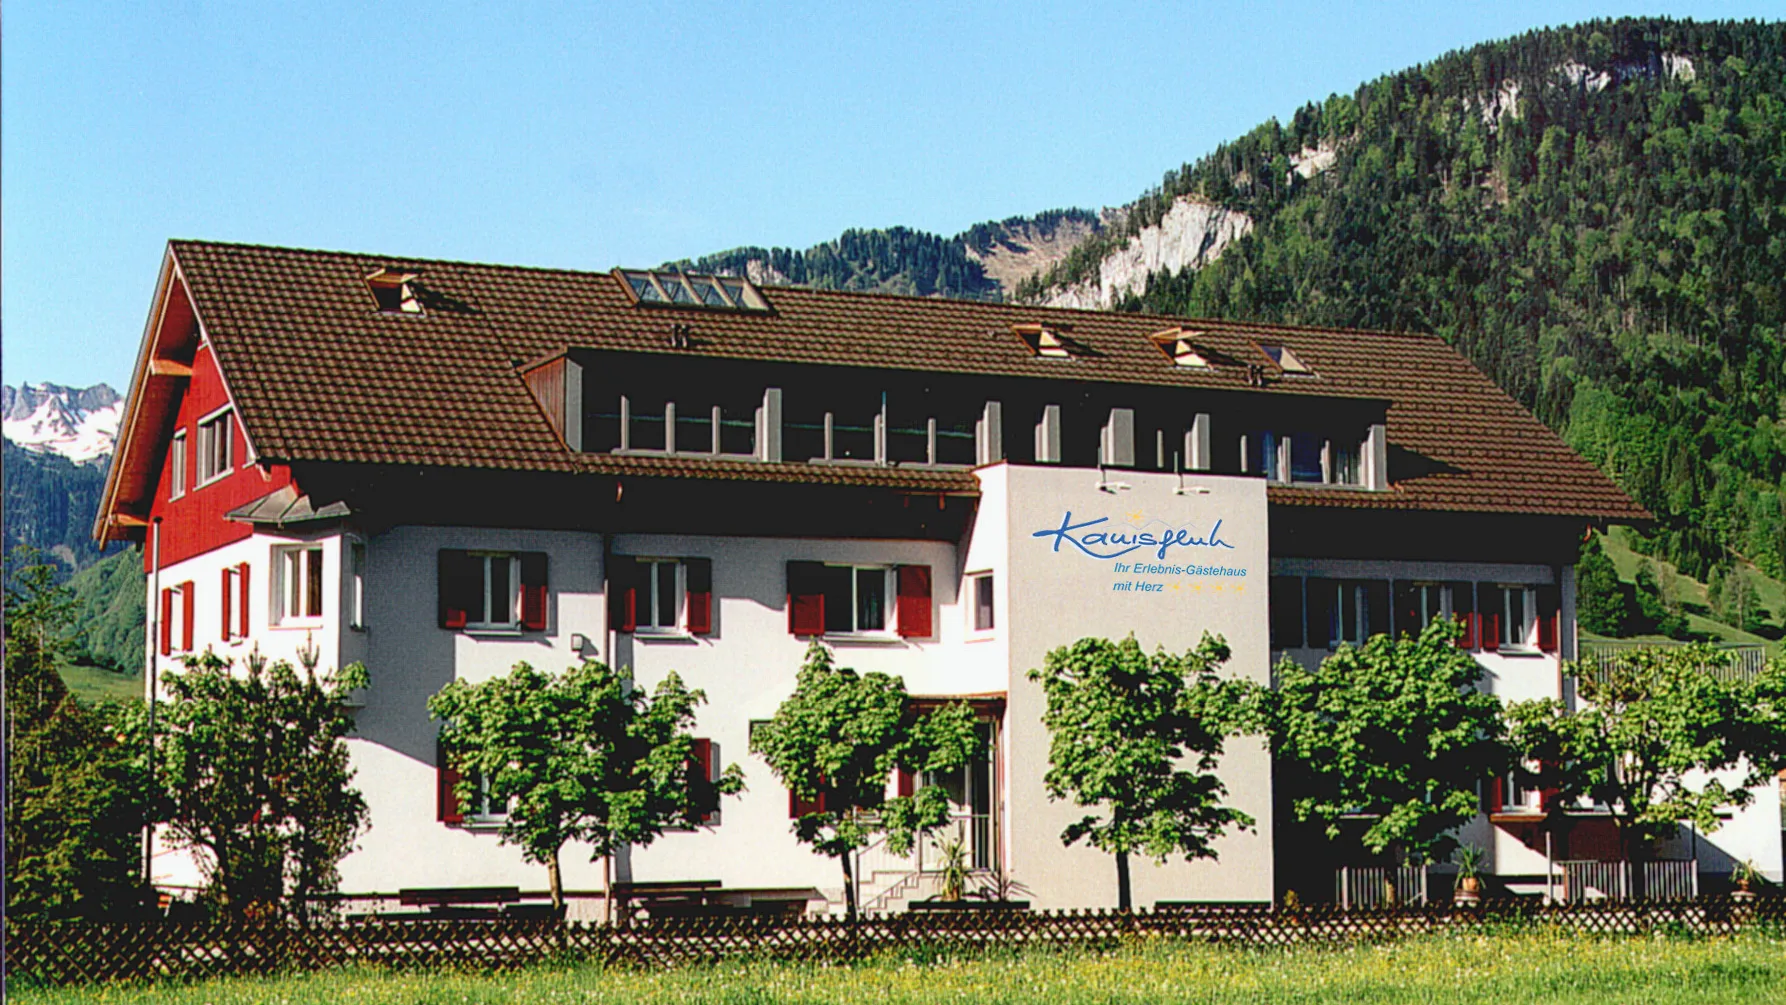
50 502
982 263
1595 215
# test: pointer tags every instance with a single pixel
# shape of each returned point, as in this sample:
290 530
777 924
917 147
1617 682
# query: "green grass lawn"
94 684
1454 970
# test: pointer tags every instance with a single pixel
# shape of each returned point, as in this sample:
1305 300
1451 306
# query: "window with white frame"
980 594
356 584
177 466
485 808
1519 605
663 585
1433 603
495 605
856 599
297 584
214 443
1303 458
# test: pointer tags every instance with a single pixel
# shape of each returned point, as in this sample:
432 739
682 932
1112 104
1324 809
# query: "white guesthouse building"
441 469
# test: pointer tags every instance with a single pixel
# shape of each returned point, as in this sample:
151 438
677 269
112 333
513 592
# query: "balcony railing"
1731 662
1585 881
1370 886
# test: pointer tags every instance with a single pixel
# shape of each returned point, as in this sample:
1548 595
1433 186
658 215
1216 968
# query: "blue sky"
588 136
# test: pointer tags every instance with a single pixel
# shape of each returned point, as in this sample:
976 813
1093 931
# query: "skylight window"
1286 360
1177 345
394 292
1048 342
675 288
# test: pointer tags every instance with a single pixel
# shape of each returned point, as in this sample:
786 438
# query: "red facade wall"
193 524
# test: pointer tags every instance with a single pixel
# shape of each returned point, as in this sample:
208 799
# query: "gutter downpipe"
610 639
153 617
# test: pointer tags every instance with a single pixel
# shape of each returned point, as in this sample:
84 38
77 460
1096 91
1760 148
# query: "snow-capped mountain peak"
81 424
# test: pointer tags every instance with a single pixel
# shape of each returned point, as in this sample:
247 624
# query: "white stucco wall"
1059 595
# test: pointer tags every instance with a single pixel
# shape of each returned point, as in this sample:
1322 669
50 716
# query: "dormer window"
675 288
394 292
1287 361
1048 341
1177 345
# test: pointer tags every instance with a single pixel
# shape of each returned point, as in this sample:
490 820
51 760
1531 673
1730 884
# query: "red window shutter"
226 594
1463 611
806 598
1497 796
798 807
623 593
458 577
189 598
699 573
1549 617
167 621
242 585
533 591
914 601
446 798
1488 618
904 780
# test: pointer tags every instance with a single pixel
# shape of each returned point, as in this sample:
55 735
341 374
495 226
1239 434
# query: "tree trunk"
849 889
1123 899
556 880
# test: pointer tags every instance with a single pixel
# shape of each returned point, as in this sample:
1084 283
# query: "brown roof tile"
319 374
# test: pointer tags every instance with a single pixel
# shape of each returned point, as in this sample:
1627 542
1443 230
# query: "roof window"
675 288
394 292
1048 341
1286 360
1177 345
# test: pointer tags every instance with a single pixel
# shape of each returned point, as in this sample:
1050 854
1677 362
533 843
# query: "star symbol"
1198 588
1218 587
1239 589
1177 586
1135 516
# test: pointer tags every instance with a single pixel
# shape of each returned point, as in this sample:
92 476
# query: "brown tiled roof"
318 374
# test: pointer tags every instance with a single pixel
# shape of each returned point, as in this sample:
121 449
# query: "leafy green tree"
1396 731
1652 733
1125 726
77 796
1654 612
253 773
1600 600
835 744
579 756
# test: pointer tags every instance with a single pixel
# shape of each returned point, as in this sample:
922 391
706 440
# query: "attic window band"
667 288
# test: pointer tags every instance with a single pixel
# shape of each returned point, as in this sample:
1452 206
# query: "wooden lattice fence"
79 952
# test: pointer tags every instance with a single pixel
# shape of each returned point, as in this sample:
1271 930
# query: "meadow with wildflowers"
1533 965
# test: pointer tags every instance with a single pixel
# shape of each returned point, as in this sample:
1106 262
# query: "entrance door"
972 802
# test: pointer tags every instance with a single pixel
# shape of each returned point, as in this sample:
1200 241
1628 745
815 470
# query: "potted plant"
1469 860
1743 878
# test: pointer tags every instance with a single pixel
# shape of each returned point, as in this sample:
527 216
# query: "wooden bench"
468 901
681 899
